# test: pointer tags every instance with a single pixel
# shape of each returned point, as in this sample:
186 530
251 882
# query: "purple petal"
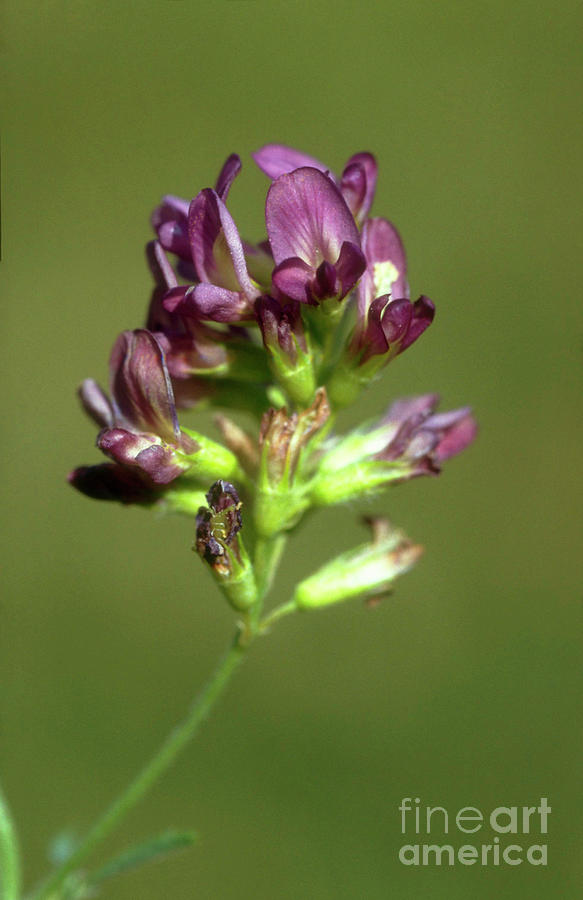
216 304
277 159
216 246
159 320
95 403
140 385
170 221
423 314
353 187
109 481
177 207
145 451
417 408
307 217
292 278
227 175
160 266
174 298
372 340
281 325
459 434
358 184
325 282
350 266
386 270
388 318
259 262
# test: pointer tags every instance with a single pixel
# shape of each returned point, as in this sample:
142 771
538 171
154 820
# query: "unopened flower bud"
368 570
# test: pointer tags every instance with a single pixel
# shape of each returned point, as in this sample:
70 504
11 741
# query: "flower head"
288 329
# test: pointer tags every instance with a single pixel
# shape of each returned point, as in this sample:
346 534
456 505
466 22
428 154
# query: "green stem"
266 560
9 860
278 613
175 742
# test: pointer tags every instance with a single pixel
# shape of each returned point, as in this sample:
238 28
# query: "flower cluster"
288 330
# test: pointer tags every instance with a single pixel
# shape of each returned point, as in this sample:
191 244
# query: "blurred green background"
463 689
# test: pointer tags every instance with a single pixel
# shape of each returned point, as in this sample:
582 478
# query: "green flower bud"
368 570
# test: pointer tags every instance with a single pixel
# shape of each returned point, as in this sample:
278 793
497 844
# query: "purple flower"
388 322
357 184
422 439
225 292
313 236
386 264
391 327
170 222
189 345
170 219
140 429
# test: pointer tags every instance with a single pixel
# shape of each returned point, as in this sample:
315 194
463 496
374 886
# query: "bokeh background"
462 689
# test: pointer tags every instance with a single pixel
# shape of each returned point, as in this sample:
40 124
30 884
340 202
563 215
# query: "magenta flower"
313 236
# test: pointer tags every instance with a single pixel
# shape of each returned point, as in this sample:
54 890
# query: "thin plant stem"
278 613
266 560
173 745
9 856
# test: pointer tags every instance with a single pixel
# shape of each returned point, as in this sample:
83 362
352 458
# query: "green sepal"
211 460
183 497
348 379
247 363
357 480
297 379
